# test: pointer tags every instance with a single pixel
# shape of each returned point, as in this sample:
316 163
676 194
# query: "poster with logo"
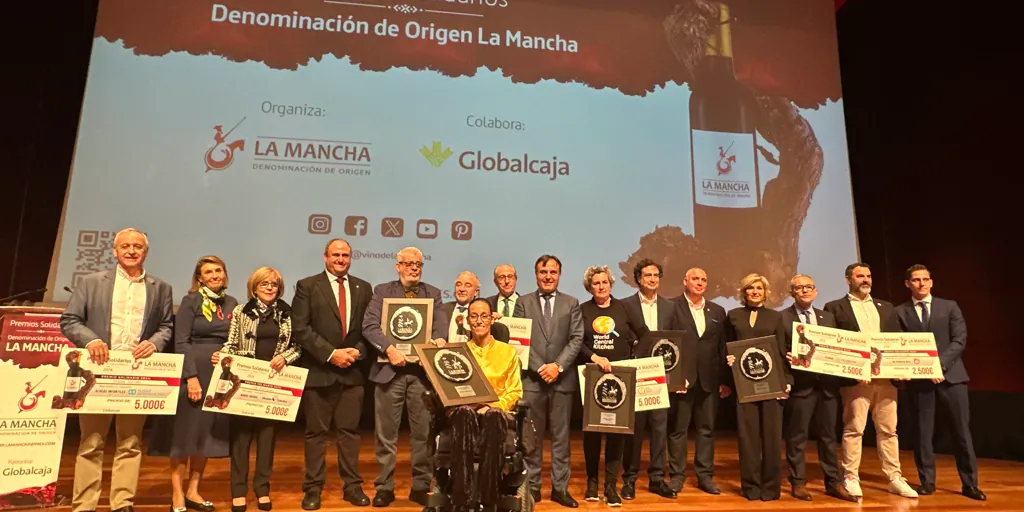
250 387
519 332
831 351
121 385
31 433
651 384
904 355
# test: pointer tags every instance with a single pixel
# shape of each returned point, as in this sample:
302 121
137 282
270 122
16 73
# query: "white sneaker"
901 487
853 487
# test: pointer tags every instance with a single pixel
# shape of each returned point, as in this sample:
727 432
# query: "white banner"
520 330
121 385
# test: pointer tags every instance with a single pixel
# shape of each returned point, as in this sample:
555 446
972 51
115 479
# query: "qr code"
95 253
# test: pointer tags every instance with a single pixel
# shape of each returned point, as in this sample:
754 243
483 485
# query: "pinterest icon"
220 156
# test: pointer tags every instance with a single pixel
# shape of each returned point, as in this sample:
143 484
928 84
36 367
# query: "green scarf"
212 303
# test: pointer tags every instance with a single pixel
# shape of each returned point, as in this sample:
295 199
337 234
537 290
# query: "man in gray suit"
550 382
400 385
126 310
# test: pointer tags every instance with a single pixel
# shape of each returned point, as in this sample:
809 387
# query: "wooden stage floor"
1002 481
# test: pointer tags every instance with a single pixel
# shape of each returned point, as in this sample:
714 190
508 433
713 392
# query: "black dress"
194 431
759 423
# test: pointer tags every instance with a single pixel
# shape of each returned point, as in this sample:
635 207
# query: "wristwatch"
560 369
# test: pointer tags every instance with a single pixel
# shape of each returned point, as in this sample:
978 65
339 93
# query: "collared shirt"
650 310
866 313
500 364
927 303
804 314
127 310
554 296
512 299
348 297
697 311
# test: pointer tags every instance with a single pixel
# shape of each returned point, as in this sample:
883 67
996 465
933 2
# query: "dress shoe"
926 489
357 497
628 491
836 490
676 484
126 508
709 486
205 506
311 500
973 493
265 506
800 492
564 499
383 498
234 508
660 488
418 497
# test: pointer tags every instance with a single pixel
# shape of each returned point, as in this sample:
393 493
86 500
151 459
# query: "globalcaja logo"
222 153
435 155
725 160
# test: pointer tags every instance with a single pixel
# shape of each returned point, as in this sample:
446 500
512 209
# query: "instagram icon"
319 224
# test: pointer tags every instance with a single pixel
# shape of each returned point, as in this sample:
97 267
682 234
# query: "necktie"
547 309
462 309
342 304
807 317
924 313
410 293
504 309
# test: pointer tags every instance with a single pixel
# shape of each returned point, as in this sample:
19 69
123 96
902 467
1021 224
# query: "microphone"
22 294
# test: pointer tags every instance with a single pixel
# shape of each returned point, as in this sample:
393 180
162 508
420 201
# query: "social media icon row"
390 227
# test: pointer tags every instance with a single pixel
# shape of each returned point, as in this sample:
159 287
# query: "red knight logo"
31 398
725 160
220 156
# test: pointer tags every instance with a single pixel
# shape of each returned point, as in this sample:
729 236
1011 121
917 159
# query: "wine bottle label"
73 384
223 386
724 169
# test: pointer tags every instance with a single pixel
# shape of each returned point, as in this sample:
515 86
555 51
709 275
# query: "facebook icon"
355 225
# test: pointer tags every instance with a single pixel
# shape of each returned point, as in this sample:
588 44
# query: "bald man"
504 302
467 288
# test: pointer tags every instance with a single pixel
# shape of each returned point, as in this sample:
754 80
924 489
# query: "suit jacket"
561 344
493 299
499 331
382 373
846 319
87 315
317 324
669 319
946 322
803 381
245 319
710 346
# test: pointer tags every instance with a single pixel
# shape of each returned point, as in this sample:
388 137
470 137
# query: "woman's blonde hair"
198 272
592 271
264 274
748 282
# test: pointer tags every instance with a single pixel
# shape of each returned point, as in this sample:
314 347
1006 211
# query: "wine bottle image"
726 184
75 379
224 384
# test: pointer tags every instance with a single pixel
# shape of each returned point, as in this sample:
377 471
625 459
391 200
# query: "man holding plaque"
327 315
814 396
118 309
927 313
400 385
549 388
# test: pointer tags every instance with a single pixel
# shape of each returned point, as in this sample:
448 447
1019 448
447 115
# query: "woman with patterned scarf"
260 329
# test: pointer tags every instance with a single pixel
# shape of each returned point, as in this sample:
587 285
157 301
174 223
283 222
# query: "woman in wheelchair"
483 429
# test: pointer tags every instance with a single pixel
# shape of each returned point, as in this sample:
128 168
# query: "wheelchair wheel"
526 503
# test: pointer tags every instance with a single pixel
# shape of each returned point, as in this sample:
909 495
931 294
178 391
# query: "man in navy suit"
942 317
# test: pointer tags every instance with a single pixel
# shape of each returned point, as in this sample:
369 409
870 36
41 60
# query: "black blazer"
711 368
946 322
768 323
499 331
805 382
317 325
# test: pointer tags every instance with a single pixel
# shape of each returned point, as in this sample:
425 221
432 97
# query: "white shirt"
697 311
810 314
927 303
866 314
348 298
650 311
127 310
500 304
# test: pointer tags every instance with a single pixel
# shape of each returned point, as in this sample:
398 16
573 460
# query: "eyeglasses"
800 288
411 264
477 316
505 277
267 285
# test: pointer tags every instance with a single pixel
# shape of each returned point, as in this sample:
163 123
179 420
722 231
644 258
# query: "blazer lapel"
848 311
664 313
150 305
327 289
688 316
106 302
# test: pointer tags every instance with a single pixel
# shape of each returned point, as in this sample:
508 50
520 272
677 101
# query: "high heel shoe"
238 508
266 507
205 506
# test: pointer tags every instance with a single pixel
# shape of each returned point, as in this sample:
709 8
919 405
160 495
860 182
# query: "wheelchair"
514 492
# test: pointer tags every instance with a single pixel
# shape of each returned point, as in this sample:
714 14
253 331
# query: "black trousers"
760 440
332 412
924 396
243 431
655 422
613 444
800 411
476 438
702 407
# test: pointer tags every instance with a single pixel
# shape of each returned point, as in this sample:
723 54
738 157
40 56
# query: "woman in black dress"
759 423
609 333
200 329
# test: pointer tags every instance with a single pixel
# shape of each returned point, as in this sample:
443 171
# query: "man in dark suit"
400 385
860 312
122 309
467 288
658 313
700 402
504 302
814 396
549 381
327 319
942 317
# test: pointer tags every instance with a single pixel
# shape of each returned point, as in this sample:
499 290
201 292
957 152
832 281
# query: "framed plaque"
759 372
407 323
455 374
680 354
608 401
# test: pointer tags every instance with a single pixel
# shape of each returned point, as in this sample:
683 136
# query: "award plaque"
455 375
759 372
406 323
680 354
608 401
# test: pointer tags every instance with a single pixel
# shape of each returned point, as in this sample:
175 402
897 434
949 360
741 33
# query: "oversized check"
122 385
831 351
519 330
905 355
651 384
250 387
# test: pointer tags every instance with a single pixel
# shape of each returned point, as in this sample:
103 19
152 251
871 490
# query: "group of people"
332 327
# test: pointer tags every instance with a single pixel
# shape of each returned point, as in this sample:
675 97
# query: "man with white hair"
399 384
122 309
467 288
